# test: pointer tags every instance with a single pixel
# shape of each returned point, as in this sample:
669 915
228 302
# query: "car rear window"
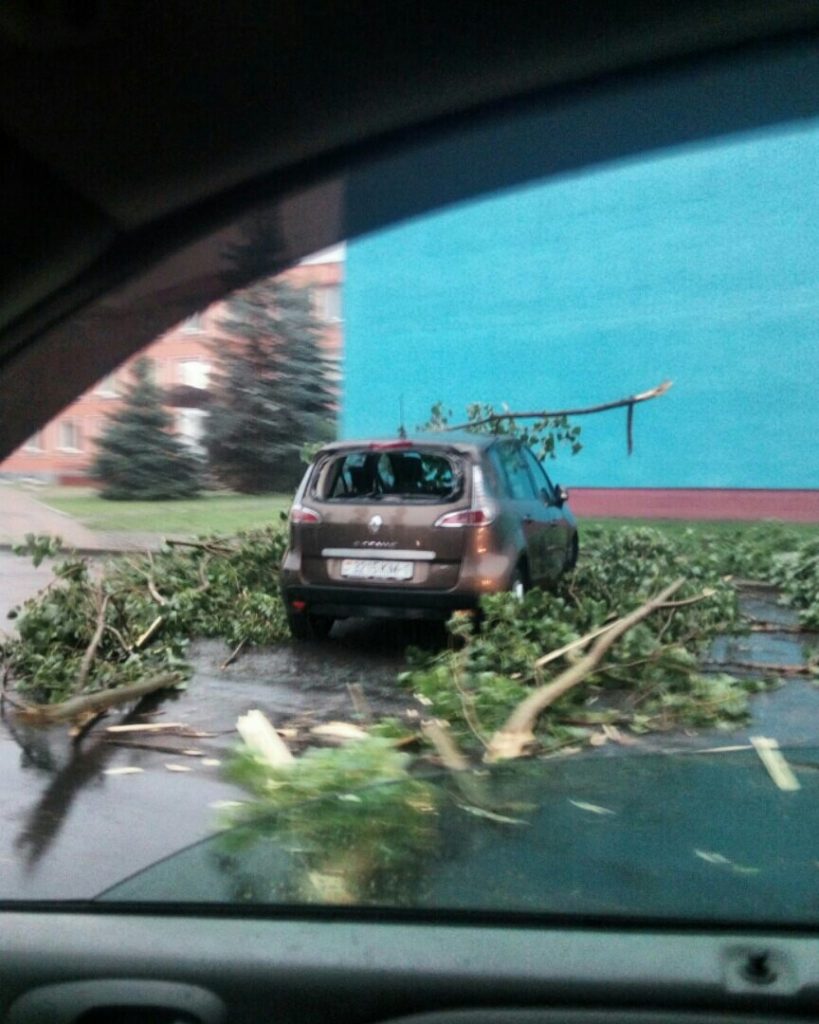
410 474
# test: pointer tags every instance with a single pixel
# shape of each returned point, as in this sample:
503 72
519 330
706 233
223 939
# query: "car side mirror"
561 495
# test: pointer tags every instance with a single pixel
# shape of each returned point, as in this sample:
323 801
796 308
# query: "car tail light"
302 514
482 512
466 517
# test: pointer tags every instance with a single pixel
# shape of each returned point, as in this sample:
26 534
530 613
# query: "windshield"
471 565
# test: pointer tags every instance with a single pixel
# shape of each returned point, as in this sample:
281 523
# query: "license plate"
375 569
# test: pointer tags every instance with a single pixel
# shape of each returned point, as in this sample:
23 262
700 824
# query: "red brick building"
63 450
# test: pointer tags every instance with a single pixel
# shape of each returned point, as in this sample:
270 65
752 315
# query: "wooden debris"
765 668
91 650
178 767
441 738
344 731
360 702
128 770
74 707
517 733
582 641
237 650
157 748
149 632
591 808
775 764
146 727
259 735
211 762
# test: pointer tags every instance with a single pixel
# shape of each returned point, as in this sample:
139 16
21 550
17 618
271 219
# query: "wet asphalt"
72 823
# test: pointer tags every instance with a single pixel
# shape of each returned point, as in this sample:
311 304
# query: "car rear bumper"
383 602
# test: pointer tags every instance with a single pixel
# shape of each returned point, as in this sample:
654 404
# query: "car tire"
571 557
305 627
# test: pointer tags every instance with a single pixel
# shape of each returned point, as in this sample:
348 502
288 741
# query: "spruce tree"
271 394
138 458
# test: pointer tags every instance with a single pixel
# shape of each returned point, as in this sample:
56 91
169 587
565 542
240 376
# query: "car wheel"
304 626
571 557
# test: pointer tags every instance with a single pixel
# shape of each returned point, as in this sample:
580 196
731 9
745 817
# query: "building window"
70 438
327 302
35 443
194 373
108 387
190 426
193 325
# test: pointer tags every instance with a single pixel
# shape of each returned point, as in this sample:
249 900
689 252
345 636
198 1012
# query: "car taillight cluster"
302 514
466 517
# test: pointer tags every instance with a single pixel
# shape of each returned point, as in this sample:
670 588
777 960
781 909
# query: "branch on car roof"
517 733
542 414
620 403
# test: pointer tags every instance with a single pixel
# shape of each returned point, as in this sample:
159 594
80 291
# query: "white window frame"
107 387
75 427
200 372
193 324
35 443
322 302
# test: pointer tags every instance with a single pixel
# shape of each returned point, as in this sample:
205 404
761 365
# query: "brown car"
421 527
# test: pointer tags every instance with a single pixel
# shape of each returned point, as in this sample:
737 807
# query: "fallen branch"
517 733
765 626
360 702
632 400
452 759
156 747
48 714
216 549
234 654
573 646
766 668
708 592
91 650
149 632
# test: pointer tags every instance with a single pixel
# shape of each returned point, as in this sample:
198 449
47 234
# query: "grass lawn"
228 513
721 529
212 513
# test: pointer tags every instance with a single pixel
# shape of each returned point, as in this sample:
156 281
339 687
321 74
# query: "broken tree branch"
48 714
581 641
766 668
216 549
631 401
91 649
517 733
234 654
149 632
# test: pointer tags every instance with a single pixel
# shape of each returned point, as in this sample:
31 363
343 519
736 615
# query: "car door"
559 528
535 516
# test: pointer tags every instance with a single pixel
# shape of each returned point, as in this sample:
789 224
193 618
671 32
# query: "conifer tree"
138 458
271 394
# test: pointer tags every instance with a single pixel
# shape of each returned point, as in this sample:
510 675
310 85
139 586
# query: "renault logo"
375 524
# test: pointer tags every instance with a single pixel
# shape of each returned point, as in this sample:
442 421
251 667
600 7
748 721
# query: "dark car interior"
140 138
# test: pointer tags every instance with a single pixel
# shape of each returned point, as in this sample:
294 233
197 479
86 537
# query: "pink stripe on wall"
696 503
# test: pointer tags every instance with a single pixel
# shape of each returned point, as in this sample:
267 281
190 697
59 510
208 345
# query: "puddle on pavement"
71 830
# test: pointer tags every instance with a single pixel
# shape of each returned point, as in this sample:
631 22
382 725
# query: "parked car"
421 527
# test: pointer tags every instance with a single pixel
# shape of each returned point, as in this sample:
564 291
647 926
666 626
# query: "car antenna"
402 431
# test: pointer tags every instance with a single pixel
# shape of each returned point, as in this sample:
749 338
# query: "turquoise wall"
700 265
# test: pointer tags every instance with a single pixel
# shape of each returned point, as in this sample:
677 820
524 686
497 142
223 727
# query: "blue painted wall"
699 265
